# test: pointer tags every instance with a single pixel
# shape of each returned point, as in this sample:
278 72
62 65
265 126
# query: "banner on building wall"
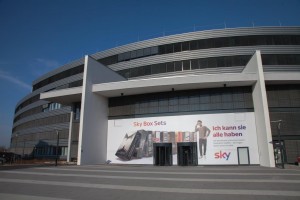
130 141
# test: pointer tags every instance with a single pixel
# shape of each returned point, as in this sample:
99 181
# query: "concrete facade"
91 86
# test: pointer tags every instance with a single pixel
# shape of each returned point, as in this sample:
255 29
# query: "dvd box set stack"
140 143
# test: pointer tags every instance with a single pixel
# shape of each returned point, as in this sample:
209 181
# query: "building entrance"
187 154
162 154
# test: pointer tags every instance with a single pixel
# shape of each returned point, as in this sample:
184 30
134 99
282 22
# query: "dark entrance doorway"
187 154
279 154
162 154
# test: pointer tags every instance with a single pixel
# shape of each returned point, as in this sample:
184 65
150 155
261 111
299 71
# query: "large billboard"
130 141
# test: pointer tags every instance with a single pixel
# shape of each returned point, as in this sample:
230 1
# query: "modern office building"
229 96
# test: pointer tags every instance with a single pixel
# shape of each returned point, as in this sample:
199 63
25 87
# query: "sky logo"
222 155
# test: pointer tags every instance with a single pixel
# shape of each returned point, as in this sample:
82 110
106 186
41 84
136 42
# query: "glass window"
295 39
173 101
147 51
161 49
154 50
228 61
120 57
237 61
185 46
162 68
139 53
147 70
203 63
194 99
178 66
170 67
133 55
141 71
177 47
202 44
244 60
169 48
155 69
212 62
186 65
134 72
269 59
215 98
204 98
218 42
220 62
127 56
194 45
194 64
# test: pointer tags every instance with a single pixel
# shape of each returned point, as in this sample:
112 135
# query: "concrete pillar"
261 111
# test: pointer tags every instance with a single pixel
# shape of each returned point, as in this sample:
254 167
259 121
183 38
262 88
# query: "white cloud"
8 77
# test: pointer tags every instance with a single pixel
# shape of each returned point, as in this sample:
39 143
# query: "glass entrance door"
187 154
162 155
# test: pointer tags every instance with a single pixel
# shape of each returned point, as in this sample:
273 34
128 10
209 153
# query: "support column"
261 111
92 143
70 137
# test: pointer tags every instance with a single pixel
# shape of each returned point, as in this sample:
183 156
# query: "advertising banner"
130 141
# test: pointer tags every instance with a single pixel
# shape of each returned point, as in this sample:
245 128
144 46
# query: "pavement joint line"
193 168
8 196
158 178
175 172
159 189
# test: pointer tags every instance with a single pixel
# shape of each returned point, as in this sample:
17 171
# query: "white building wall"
261 111
92 141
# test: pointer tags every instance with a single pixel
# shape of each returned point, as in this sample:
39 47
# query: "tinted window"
178 66
186 65
170 67
185 46
194 64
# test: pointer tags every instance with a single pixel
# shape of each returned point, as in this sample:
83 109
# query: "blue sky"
37 36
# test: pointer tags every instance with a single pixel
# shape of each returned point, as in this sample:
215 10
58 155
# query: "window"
127 56
170 67
212 62
148 70
185 46
77 108
177 47
285 59
194 45
56 77
147 51
182 101
139 53
199 44
203 63
178 66
133 54
154 50
169 48
186 65
155 69
194 64
134 72
51 106
120 57
161 49
220 62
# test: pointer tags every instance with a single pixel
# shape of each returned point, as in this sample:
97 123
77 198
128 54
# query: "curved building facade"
229 96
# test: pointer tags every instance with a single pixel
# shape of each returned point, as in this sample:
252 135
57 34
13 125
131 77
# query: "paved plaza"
149 183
